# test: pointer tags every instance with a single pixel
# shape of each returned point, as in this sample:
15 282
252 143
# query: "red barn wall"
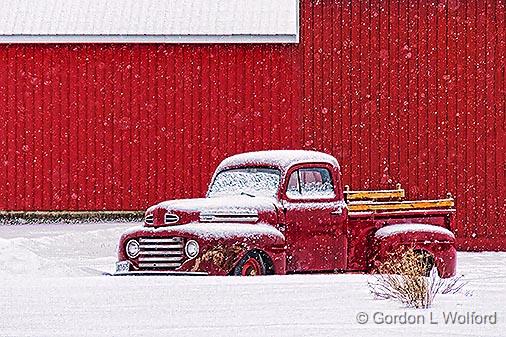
398 91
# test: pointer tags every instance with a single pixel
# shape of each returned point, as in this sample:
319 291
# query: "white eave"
149 21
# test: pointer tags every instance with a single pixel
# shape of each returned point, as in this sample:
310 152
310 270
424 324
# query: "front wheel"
250 265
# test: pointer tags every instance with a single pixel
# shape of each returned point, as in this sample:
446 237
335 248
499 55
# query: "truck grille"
160 253
228 216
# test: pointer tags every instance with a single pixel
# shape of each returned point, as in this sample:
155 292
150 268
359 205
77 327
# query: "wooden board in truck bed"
390 202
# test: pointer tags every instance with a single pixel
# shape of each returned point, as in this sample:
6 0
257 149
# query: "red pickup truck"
279 212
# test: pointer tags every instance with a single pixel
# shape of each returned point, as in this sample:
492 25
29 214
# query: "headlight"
132 249
191 249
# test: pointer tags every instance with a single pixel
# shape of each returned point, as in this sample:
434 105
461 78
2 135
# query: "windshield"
252 181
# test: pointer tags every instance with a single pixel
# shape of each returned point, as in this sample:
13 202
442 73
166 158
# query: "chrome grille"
227 216
150 219
171 218
161 253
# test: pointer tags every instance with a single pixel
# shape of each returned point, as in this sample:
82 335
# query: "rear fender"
394 240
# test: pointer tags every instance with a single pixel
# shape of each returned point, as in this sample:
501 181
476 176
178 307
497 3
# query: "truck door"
315 220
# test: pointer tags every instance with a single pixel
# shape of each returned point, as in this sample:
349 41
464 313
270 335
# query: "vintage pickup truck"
286 211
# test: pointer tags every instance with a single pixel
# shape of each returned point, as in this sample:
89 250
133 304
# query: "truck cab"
285 211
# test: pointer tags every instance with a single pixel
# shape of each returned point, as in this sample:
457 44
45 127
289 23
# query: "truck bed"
369 211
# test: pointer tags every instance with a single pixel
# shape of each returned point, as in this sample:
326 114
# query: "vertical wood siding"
417 96
121 127
399 91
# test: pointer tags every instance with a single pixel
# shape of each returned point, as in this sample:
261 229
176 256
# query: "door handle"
338 211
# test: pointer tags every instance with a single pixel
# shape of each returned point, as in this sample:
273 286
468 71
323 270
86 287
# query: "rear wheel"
250 265
426 261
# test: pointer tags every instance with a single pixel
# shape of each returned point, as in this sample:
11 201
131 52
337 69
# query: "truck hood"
238 208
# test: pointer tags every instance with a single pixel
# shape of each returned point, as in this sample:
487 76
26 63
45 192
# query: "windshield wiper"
248 194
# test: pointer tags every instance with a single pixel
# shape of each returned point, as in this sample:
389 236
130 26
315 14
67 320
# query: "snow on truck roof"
282 159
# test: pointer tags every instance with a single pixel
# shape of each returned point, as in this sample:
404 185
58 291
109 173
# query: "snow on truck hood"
214 231
237 204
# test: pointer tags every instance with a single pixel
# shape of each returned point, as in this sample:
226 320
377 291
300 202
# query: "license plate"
122 267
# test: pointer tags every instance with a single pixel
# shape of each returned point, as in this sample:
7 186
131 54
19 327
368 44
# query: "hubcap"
251 268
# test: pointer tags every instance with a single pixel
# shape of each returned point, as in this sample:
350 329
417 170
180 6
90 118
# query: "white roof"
184 21
283 159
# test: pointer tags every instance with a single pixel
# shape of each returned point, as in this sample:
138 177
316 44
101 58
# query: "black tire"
427 261
251 264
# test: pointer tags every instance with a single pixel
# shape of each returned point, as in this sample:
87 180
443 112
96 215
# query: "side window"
310 183
293 188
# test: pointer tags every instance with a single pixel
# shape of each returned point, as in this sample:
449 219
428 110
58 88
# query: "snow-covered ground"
49 287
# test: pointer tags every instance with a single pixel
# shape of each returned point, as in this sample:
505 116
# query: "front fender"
225 244
222 245
438 241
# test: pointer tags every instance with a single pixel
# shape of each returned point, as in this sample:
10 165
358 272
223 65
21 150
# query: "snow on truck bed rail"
409 228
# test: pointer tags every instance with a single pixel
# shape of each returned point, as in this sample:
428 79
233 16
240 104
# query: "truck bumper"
159 273
123 268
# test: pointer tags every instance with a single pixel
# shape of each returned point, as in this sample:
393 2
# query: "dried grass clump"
221 255
412 280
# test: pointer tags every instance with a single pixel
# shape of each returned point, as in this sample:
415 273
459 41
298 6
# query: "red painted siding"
399 91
